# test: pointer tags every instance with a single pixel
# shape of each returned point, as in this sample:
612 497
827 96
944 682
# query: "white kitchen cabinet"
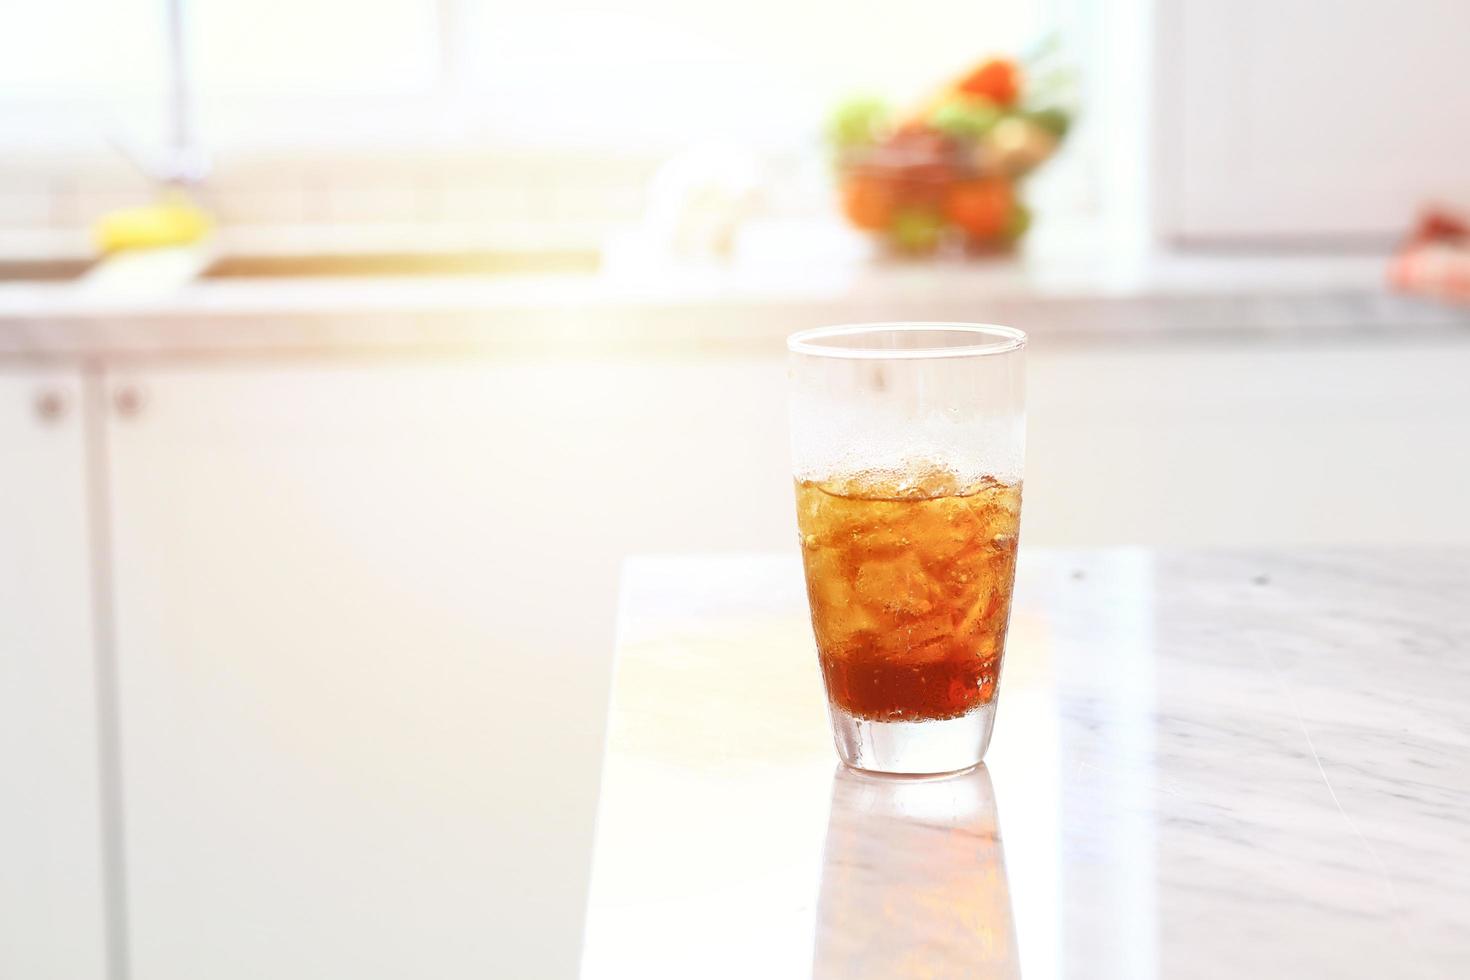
364 622
52 918
1330 445
364 610
1309 120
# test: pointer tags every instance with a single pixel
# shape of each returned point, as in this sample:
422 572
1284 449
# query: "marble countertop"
152 304
1205 765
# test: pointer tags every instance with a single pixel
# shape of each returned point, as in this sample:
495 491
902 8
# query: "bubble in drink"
909 576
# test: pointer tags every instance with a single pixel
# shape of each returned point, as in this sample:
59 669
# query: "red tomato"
982 208
919 167
868 201
998 80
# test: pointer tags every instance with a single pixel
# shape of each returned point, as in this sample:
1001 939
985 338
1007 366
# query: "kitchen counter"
159 307
1206 764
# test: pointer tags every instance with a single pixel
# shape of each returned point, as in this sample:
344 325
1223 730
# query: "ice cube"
923 641
898 584
984 604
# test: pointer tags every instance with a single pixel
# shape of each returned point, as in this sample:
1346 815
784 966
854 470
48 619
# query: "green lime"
914 230
965 118
857 123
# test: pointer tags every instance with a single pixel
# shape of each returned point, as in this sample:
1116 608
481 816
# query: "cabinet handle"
50 405
127 401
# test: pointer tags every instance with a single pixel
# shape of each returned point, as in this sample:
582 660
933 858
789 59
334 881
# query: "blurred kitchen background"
346 349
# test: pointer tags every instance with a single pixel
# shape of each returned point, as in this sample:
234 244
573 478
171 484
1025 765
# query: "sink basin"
403 264
44 270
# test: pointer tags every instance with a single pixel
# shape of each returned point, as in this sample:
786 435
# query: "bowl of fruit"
947 175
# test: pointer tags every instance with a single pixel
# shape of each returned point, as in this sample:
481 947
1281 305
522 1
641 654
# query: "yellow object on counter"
174 220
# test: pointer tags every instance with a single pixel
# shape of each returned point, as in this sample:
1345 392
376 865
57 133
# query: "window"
563 72
324 86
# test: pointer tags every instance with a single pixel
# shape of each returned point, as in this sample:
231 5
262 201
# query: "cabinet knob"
50 405
127 401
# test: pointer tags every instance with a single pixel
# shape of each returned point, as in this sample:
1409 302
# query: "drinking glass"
907 445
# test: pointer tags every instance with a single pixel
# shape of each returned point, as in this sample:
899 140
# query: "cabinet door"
1310 119
51 892
364 621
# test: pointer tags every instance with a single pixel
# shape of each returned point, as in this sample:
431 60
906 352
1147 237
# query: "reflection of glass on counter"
914 881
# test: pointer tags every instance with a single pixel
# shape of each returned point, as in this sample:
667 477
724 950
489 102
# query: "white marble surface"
1205 765
151 307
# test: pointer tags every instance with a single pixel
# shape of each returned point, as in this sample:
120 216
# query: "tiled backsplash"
42 192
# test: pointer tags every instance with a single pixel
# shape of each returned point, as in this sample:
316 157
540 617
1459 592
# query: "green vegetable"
857 123
1017 222
1053 120
965 118
915 230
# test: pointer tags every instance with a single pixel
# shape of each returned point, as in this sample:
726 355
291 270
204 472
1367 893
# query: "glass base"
913 748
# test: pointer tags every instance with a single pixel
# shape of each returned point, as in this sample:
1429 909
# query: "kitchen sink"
327 264
44 270
477 263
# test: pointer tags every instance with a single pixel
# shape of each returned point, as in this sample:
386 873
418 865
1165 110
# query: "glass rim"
999 340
